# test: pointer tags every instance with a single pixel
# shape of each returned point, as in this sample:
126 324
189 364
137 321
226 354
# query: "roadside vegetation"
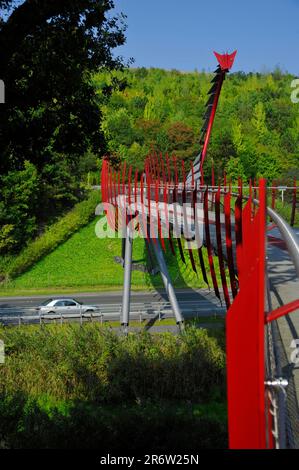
71 386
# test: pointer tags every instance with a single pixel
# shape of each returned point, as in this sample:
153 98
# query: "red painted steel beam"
282 311
210 124
245 331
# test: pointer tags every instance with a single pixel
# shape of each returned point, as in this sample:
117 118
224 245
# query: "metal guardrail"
110 312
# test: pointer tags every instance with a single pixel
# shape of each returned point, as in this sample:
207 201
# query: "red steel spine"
210 125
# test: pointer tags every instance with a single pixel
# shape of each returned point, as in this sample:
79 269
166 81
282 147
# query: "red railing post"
245 323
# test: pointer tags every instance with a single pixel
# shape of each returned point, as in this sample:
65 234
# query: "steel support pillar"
168 284
127 280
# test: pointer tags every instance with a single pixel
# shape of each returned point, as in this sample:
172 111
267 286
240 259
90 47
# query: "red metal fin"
143 216
219 249
176 178
238 234
186 220
229 249
159 235
192 176
174 198
199 250
104 179
209 245
226 61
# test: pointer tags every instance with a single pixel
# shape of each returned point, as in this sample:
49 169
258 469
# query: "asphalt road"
147 304
106 298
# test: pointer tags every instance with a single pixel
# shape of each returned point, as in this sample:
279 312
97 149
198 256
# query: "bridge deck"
284 287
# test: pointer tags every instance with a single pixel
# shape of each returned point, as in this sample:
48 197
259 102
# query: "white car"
61 306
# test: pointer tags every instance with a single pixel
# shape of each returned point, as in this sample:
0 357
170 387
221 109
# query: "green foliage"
50 122
255 130
18 199
41 423
94 364
70 386
53 236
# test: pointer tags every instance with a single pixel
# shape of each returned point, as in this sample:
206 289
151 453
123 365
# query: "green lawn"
86 263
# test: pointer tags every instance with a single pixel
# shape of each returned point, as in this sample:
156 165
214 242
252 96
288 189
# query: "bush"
18 203
57 233
31 423
94 364
70 386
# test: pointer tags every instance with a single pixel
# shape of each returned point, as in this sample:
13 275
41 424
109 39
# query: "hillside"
86 263
256 131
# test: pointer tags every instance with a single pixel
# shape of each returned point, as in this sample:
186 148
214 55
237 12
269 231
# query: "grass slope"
85 262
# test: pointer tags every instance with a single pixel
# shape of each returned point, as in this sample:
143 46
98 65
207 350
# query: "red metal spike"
226 61
168 230
174 198
196 225
143 216
229 248
192 176
219 249
209 245
185 217
135 186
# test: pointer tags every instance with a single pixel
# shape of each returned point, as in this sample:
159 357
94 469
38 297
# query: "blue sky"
182 34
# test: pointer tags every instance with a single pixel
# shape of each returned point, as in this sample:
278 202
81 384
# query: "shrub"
87 387
92 363
32 423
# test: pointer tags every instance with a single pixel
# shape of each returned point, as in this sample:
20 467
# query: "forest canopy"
50 122
256 129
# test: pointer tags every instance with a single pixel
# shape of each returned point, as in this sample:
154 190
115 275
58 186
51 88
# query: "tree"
48 50
51 118
259 120
19 198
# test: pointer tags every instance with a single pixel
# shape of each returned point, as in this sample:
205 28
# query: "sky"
182 34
